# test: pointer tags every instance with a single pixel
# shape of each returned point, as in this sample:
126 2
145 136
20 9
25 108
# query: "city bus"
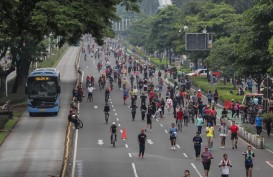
43 91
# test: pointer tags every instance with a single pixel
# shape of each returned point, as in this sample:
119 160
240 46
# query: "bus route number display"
42 78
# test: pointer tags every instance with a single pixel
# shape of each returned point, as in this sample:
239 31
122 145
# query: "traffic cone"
123 134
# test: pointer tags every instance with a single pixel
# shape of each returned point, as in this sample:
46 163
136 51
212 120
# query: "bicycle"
106 117
113 140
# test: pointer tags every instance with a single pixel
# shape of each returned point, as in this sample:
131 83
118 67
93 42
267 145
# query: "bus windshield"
38 88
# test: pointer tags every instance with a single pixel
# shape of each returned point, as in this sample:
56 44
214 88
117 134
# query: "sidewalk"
219 107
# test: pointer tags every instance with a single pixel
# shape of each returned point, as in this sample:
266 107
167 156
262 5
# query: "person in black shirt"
113 130
197 140
143 98
143 110
141 141
133 107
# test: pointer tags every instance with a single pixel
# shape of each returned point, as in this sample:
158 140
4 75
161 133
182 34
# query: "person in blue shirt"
258 124
173 132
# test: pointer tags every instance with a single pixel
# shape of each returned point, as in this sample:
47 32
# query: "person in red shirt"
234 136
199 95
179 119
207 111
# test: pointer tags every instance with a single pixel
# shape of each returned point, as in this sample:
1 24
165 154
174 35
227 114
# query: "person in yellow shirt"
210 134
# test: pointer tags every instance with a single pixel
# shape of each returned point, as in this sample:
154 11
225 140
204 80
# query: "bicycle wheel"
80 124
106 118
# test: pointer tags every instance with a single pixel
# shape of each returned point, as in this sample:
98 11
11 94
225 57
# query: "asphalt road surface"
35 147
96 157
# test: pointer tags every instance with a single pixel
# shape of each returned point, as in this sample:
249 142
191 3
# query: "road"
95 156
35 147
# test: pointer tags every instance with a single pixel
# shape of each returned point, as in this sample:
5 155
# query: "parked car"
203 72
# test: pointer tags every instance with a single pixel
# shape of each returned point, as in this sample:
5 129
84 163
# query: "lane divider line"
185 155
130 155
119 125
126 146
178 146
166 131
116 114
112 106
134 169
120 131
117 119
269 163
194 167
161 125
114 110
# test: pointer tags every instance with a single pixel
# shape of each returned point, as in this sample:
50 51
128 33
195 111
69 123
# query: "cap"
114 123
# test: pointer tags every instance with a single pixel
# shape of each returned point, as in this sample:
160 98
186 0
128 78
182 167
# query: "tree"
255 59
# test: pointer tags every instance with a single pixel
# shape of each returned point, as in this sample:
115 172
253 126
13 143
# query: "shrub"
3 121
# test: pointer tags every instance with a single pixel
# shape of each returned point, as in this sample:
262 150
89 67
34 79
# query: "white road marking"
134 169
130 155
114 110
120 131
185 155
117 119
150 141
161 125
111 102
100 142
196 170
116 114
112 106
178 146
156 120
126 145
95 107
119 125
269 163
166 131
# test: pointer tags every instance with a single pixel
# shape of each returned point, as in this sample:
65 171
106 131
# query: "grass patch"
54 58
223 90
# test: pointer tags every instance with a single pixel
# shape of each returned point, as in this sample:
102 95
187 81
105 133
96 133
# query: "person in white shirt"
225 166
169 104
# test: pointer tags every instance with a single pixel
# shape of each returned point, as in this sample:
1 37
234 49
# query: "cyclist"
113 131
173 132
72 117
107 94
106 109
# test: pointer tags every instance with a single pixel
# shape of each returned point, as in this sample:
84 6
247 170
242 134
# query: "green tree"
255 59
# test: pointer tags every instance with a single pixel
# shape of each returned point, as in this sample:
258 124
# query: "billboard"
197 41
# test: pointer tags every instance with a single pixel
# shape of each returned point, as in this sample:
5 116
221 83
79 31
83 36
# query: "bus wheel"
55 113
30 114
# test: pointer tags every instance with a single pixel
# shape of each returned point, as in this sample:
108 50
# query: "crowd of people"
144 85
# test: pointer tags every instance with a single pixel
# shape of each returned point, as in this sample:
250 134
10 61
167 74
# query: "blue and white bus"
43 91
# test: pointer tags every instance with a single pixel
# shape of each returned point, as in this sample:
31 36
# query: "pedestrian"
215 97
186 116
143 98
258 124
133 110
223 134
199 123
268 125
209 96
162 103
225 165
149 121
234 135
210 134
141 141
197 140
179 119
186 173
206 160
173 133
143 110
249 156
